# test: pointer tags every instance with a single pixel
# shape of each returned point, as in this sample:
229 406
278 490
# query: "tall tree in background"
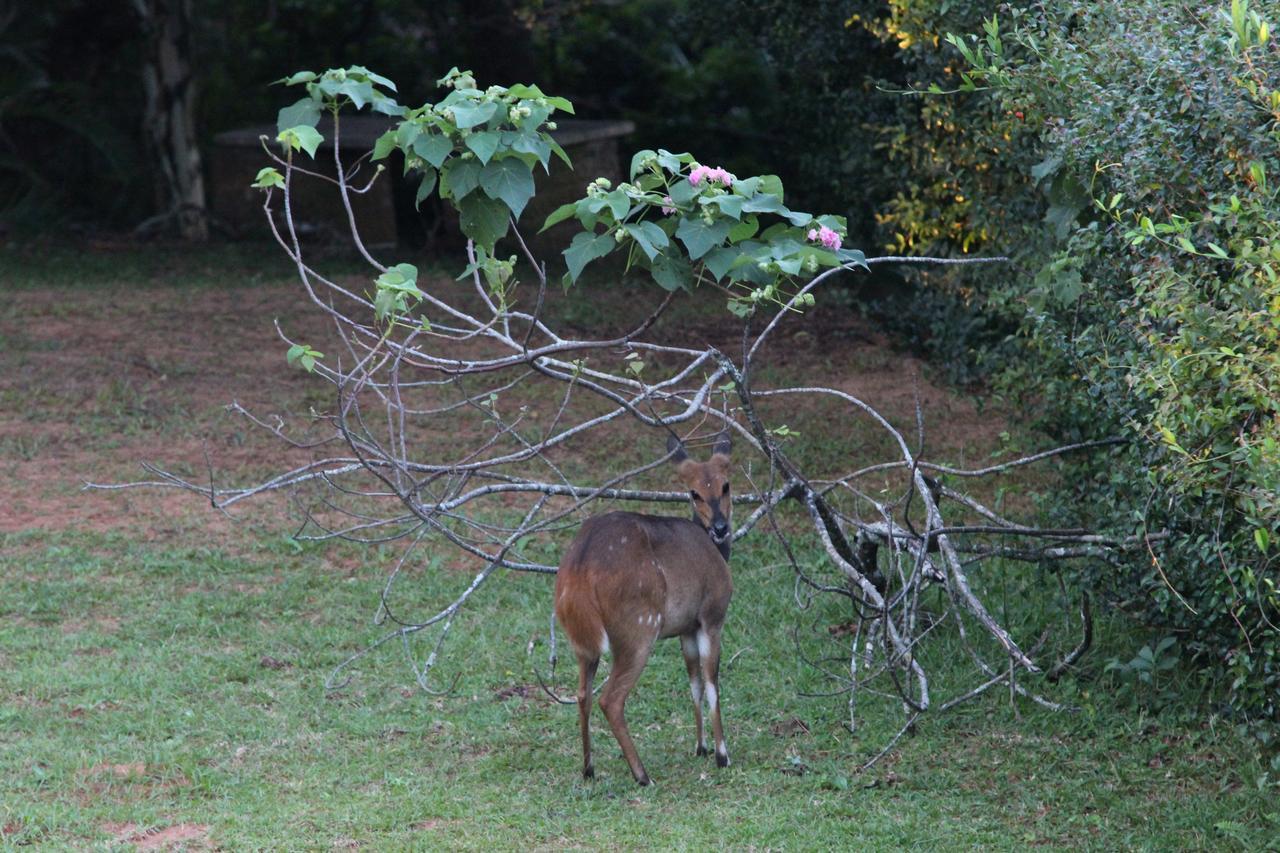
169 116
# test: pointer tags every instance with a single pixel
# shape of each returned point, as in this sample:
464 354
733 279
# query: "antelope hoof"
642 781
722 759
702 751
588 773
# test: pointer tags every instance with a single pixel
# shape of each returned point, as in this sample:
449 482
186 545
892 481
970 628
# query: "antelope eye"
695 496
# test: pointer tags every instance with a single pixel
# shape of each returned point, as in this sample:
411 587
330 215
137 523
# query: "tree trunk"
169 118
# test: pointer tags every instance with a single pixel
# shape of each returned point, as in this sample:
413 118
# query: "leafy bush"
1123 151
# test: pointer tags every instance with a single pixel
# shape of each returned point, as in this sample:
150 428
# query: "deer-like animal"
629 580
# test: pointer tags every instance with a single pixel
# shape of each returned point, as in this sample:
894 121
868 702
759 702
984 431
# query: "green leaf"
852 256
359 91
559 152
483 219
562 104
484 144
425 187
299 77
585 248
639 158
560 214
718 261
730 205
372 77
619 204
1187 245
771 185
301 137
699 237
648 236
764 203
510 180
466 115
797 218
433 147
532 143
385 144
267 178
1262 538
387 106
303 113
671 272
459 178
744 230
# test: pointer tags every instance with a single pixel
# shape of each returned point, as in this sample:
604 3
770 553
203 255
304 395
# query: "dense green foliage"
1122 152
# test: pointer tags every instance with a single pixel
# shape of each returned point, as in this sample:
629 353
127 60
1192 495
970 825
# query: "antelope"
629 580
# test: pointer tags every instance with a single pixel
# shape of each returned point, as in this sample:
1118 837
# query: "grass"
184 686
163 682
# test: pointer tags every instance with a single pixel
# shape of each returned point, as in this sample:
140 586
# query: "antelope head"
708 484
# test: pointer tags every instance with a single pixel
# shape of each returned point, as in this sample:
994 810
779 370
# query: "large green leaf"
638 158
433 147
699 237
730 205
585 248
718 261
304 113
385 144
763 203
483 219
531 143
671 272
560 214
648 236
510 180
459 178
306 138
484 144
468 114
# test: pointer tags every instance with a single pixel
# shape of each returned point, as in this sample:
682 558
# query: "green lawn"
160 687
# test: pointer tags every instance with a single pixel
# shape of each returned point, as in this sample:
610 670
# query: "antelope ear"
723 445
676 448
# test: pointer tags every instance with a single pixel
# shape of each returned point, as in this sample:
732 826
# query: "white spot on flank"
704 644
624 540
709 691
604 642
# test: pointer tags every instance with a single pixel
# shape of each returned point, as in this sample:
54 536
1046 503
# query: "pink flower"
700 173
668 206
825 236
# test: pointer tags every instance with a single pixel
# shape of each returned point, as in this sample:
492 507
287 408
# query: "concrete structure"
385 214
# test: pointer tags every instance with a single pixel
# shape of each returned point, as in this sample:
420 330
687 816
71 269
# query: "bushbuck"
628 580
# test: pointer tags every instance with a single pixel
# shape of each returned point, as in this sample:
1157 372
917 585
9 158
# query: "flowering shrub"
688 223
1146 218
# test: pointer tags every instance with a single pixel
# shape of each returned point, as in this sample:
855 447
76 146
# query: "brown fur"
629 580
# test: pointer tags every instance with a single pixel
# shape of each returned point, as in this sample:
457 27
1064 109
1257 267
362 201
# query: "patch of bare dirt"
179 836
94 383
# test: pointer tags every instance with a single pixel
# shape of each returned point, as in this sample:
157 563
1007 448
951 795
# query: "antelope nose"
720 529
